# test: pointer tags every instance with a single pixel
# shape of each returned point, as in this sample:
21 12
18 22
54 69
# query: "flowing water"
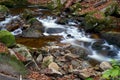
77 37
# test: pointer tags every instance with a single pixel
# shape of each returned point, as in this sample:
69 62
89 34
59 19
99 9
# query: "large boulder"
97 21
112 37
34 31
7 38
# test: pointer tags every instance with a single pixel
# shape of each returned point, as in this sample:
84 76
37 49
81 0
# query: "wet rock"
82 53
112 37
98 45
105 65
34 31
7 38
31 33
54 30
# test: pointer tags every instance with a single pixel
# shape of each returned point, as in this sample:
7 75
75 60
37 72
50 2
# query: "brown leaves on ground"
38 76
3 48
93 6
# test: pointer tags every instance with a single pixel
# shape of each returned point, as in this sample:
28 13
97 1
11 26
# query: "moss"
7 38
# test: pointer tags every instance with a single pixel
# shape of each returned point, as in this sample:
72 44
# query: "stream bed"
97 49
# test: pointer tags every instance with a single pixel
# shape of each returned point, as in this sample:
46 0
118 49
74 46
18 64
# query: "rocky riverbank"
28 51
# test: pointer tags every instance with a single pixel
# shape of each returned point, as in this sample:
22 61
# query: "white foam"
7 20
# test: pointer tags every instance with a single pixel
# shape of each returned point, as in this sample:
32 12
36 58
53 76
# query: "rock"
39 58
47 60
105 65
76 64
54 66
82 53
70 56
23 52
98 45
31 33
85 73
112 37
34 31
2 16
85 64
7 38
54 30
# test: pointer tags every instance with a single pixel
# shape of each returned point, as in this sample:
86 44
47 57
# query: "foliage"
14 3
89 79
7 38
113 9
114 72
13 62
3 9
55 5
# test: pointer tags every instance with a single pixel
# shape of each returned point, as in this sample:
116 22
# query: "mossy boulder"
7 38
97 21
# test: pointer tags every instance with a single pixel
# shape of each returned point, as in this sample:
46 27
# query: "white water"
7 21
77 37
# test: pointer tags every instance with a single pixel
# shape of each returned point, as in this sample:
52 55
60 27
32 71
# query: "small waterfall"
78 37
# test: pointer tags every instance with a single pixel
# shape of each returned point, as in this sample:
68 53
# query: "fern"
114 72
